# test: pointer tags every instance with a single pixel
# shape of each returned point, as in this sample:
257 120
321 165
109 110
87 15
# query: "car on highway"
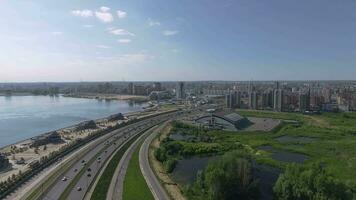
64 179
79 189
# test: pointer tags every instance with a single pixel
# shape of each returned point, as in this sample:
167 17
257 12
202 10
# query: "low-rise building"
4 162
229 121
48 138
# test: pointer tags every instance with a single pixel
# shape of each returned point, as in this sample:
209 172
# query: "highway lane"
85 180
116 185
152 181
120 134
59 187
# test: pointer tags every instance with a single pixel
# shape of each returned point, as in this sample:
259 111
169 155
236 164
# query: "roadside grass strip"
103 184
135 186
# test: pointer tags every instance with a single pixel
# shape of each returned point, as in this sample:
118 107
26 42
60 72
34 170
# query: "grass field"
135 186
334 144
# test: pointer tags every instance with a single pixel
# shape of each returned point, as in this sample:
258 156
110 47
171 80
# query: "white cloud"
104 9
121 14
170 32
88 26
152 22
82 13
124 40
121 32
126 59
104 17
102 46
57 33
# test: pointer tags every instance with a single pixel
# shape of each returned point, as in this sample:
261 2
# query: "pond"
186 170
287 138
267 177
284 156
265 148
180 137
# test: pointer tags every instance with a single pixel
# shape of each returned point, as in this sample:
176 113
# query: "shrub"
229 177
169 165
304 183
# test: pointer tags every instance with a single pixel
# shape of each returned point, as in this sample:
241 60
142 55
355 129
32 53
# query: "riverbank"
24 153
108 97
16 94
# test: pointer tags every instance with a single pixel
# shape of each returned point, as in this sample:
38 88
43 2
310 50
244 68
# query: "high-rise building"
327 95
157 86
304 101
265 100
228 102
180 91
252 100
139 90
278 100
238 99
233 99
130 88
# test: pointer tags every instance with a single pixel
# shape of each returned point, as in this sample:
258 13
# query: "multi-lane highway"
75 182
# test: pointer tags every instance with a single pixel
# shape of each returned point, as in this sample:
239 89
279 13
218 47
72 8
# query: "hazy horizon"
202 40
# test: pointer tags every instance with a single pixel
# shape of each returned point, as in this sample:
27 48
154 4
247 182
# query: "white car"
79 189
64 179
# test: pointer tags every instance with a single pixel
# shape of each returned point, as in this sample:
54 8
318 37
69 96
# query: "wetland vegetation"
327 140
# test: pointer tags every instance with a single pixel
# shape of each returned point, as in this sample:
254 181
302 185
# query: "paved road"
153 183
101 146
116 186
103 149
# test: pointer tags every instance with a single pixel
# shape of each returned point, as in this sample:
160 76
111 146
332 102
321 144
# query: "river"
22 117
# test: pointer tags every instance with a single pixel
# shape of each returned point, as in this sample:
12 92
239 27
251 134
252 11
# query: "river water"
23 117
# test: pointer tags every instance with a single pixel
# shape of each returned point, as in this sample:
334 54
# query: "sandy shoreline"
66 128
23 150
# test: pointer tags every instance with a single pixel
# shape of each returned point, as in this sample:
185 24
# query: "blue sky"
104 40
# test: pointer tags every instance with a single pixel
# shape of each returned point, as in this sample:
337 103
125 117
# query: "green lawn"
135 186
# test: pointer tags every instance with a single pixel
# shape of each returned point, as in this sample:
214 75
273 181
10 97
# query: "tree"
309 183
227 178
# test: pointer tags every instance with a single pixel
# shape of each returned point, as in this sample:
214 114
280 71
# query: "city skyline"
177 41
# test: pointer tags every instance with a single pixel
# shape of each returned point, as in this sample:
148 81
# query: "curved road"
103 148
116 186
152 181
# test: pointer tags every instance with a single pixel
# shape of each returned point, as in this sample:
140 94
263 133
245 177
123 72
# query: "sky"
170 40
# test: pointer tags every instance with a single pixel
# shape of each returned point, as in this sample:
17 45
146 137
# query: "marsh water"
23 117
